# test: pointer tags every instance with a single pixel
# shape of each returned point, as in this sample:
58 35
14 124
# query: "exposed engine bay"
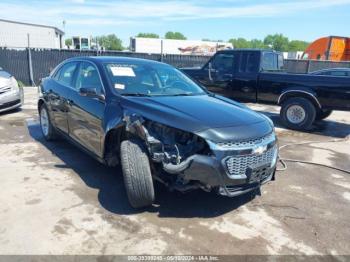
171 150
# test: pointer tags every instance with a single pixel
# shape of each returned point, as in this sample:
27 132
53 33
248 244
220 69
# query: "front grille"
9 104
248 143
238 165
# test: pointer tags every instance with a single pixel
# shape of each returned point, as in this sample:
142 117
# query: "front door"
86 113
219 74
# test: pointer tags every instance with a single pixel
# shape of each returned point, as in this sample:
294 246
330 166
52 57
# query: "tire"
298 113
47 129
322 114
137 173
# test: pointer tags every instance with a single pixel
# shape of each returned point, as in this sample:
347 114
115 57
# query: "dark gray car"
332 72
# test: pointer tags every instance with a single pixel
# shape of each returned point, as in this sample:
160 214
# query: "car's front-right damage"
185 161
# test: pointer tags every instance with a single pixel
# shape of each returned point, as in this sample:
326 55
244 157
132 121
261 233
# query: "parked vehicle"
333 72
11 95
257 76
159 125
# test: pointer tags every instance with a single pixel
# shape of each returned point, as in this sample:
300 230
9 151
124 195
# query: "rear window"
272 62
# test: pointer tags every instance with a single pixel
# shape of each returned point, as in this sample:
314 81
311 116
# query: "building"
178 47
19 35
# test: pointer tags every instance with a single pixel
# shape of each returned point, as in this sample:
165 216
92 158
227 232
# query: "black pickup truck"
257 76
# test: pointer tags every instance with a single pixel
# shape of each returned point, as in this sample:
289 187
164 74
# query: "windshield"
141 79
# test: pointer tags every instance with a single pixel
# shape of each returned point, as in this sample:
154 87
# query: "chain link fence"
29 65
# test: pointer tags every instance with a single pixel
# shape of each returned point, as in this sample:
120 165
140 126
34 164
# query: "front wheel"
298 113
137 173
322 114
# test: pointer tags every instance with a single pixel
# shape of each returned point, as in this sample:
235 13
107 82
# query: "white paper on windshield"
122 71
119 86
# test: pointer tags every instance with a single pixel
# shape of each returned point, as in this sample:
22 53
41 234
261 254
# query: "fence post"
31 78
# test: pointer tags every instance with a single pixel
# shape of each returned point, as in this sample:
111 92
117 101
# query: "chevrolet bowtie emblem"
259 150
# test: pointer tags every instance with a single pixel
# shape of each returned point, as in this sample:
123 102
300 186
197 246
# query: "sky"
196 19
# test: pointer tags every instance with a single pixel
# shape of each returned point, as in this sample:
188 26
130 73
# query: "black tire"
137 173
322 114
50 135
308 109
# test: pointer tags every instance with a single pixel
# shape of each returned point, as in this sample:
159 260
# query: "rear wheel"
298 113
45 123
322 114
137 173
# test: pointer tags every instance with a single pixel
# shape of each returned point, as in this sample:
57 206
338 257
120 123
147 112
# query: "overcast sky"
196 19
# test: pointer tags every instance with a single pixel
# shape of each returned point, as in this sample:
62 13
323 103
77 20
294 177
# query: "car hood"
198 114
5 79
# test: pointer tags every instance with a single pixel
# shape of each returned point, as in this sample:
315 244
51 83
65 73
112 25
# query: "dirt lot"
57 200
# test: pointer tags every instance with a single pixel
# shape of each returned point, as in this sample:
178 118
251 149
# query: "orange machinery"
334 48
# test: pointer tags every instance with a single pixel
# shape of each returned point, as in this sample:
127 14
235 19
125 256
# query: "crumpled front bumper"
11 99
211 171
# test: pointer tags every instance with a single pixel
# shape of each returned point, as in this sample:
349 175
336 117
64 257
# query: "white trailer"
179 47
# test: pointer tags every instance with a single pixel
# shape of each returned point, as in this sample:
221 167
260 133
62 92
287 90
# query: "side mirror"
90 92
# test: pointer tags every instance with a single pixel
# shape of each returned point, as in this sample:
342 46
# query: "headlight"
14 84
269 120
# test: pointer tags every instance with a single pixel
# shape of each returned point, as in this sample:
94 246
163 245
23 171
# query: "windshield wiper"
134 94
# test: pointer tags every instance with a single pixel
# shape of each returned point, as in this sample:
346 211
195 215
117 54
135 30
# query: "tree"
110 42
297 45
277 42
147 35
256 43
175 35
240 43
68 42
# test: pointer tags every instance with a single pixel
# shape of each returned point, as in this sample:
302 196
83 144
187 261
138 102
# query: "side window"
66 74
280 62
88 77
269 62
223 63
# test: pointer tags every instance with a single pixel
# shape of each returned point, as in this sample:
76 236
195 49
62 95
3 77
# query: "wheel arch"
299 93
111 144
40 103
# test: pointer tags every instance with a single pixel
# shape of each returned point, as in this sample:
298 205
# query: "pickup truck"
250 75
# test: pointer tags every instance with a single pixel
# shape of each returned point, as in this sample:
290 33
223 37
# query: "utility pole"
31 78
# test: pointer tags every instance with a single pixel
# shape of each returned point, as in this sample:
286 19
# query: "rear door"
57 92
85 113
244 83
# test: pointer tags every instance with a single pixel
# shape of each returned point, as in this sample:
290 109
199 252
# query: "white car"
11 95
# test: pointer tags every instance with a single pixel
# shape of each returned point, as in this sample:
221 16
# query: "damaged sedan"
158 125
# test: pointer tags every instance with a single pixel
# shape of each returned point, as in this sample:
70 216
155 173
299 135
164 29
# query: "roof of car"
335 69
114 59
249 49
331 69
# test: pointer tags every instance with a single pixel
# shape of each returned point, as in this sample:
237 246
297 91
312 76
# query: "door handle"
246 89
